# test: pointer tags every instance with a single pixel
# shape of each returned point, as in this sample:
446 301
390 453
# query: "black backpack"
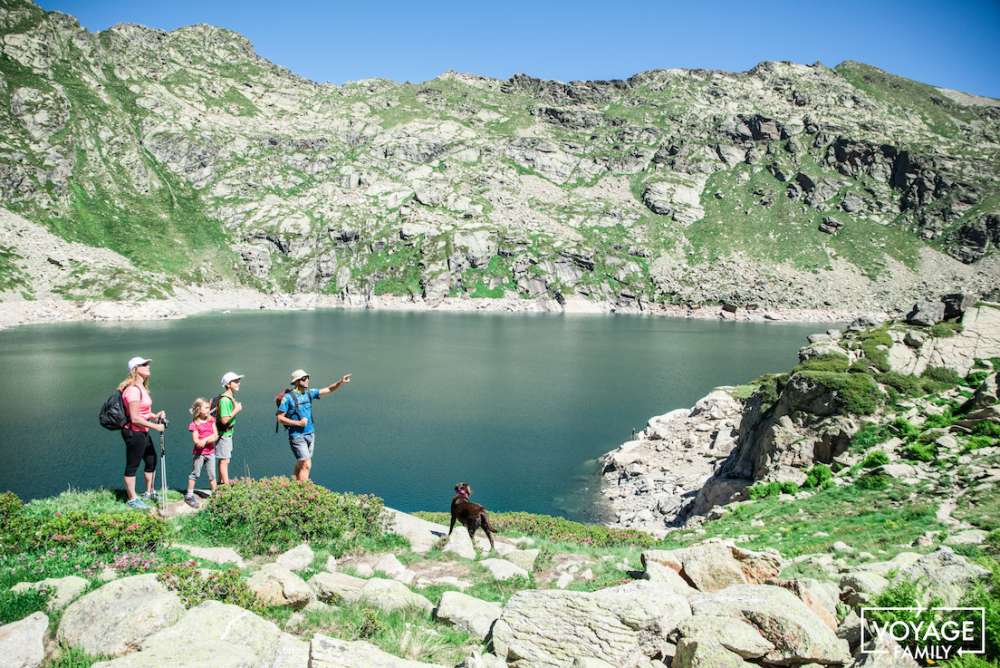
114 413
214 411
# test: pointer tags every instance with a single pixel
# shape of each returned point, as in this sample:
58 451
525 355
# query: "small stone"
501 569
296 559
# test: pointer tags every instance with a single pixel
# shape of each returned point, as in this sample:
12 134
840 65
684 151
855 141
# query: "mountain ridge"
786 186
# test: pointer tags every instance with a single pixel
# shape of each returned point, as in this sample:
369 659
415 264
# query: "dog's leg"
452 527
487 529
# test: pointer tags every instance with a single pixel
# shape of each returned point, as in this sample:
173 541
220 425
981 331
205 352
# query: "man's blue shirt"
304 409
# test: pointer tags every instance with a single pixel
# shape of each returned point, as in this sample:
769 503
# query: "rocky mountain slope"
200 163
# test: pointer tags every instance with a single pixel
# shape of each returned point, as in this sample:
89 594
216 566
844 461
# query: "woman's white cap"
137 361
230 377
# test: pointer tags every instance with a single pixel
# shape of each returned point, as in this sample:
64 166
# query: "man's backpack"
279 398
114 413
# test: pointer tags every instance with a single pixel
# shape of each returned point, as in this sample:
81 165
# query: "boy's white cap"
229 377
298 373
137 361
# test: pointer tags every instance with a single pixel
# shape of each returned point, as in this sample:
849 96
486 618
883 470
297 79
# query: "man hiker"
295 412
228 408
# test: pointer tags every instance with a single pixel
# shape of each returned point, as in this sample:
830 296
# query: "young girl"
204 434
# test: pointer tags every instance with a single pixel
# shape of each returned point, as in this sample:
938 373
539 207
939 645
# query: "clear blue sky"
952 44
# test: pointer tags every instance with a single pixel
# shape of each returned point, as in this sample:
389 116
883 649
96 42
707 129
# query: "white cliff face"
649 481
671 187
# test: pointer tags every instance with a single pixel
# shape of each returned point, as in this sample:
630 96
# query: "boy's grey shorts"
302 445
199 461
224 447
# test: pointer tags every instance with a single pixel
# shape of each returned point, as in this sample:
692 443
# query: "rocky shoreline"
198 301
689 462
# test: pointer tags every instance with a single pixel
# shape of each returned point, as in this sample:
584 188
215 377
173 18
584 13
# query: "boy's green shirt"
226 406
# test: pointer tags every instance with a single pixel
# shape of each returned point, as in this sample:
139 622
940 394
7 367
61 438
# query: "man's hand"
346 378
303 422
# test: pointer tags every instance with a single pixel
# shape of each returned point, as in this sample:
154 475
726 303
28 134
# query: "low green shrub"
769 387
856 394
921 452
871 341
825 362
764 490
987 428
18 605
943 330
273 514
225 585
942 421
875 459
10 507
104 533
71 657
977 442
945 376
871 481
869 436
992 542
986 595
557 529
818 477
905 384
976 378
905 429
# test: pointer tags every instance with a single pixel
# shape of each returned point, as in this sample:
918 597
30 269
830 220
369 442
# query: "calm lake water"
518 405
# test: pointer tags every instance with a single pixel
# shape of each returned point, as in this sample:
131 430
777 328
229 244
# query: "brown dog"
471 515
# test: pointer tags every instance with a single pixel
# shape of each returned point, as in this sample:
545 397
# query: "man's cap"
229 377
298 373
137 361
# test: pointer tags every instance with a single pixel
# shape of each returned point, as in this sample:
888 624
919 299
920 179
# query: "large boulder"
22 643
333 586
797 634
619 625
63 590
705 653
715 565
459 543
326 652
945 574
501 569
469 613
926 313
296 559
735 635
276 585
819 596
218 635
117 617
858 588
392 595
421 534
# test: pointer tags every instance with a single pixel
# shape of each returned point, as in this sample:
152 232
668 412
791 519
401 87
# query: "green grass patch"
826 362
943 330
875 459
766 490
224 585
18 605
869 436
557 529
856 394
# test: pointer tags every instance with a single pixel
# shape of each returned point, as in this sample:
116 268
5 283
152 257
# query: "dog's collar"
464 495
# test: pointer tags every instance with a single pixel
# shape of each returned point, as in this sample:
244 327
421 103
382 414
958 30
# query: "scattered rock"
618 625
459 543
501 569
392 595
714 565
22 643
276 585
218 635
64 590
218 555
466 612
296 559
326 652
331 587
117 617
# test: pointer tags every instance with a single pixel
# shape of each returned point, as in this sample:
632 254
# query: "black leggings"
138 446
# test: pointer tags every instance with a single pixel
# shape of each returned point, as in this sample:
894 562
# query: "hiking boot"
150 495
191 501
137 504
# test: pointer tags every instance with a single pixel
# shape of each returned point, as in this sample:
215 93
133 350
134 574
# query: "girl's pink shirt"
204 429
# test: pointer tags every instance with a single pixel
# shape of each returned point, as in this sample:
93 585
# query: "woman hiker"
228 409
138 444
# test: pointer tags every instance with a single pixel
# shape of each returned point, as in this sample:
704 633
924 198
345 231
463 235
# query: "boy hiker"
228 408
295 412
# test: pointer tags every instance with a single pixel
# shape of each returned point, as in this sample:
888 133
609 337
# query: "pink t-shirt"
138 393
204 430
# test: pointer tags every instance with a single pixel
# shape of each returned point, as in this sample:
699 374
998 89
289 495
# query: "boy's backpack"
279 398
114 413
213 410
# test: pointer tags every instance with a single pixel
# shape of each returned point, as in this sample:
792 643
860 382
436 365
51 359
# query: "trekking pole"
163 468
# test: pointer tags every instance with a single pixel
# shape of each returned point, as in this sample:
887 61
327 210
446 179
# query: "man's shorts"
302 445
224 447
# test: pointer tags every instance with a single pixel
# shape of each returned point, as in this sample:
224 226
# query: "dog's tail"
486 522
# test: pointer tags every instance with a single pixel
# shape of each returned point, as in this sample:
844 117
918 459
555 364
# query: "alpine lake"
520 406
